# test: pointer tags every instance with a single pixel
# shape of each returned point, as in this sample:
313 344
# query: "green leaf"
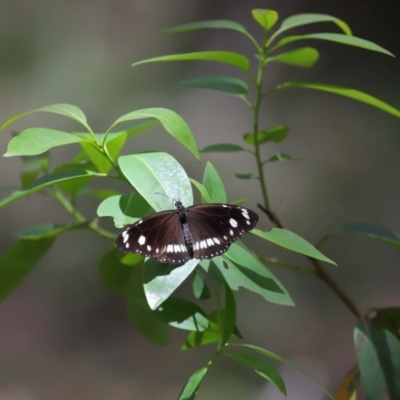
228 57
293 242
182 314
32 166
97 157
154 173
125 209
68 110
388 319
48 230
266 18
229 317
199 285
372 231
33 141
74 186
351 93
305 19
115 144
378 353
218 24
161 280
196 339
141 315
213 183
245 270
18 261
262 367
274 134
282 157
334 37
192 385
45 181
284 361
226 84
222 148
305 57
241 175
203 191
114 274
172 123
100 194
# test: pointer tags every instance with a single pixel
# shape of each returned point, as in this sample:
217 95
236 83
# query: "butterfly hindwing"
158 236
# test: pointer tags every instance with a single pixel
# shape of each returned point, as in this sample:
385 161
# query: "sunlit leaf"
305 57
266 18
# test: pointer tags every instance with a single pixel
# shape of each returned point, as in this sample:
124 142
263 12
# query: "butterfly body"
199 231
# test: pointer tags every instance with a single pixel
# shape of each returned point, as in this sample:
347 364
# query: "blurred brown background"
62 334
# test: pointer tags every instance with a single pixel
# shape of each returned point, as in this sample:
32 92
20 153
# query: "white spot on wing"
170 248
233 222
142 240
157 250
248 222
224 205
183 248
177 248
148 247
225 237
216 241
126 237
210 242
127 245
139 222
231 232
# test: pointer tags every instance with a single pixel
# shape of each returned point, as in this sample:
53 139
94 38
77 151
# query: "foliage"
147 285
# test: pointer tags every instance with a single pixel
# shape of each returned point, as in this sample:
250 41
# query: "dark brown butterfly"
175 236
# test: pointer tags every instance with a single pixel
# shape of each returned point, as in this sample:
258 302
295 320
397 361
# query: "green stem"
68 205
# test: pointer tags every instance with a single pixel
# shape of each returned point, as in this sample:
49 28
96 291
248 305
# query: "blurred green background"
63 335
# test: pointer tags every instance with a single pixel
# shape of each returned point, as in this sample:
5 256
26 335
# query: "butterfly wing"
215 226
158 236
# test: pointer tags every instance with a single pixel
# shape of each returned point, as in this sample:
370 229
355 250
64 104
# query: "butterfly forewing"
215 226
158 236
209 231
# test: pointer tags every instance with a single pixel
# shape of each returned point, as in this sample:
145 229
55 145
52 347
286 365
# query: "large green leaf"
32 166
228 57
141 315
305 57
199 285
293 242
45 181
161 280
262 367
351 93
174 124
229 315
33 141
334 37
68 110
16 264
378 353
213 184
227 84
114 274
154 173
191 387
372 231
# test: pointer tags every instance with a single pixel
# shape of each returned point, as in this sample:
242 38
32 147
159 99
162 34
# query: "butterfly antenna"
163 194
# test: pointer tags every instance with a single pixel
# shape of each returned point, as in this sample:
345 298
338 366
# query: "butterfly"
199 231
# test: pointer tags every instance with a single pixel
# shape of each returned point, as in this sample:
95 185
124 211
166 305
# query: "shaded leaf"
389 319
222 148
226 84
196 339
219 24
213 183
241 175
293 242
274 134
228 57
304 57
19 261
203 191
372 231
45 181
229 317
141 315
32 166
174 124
262 367
199 285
